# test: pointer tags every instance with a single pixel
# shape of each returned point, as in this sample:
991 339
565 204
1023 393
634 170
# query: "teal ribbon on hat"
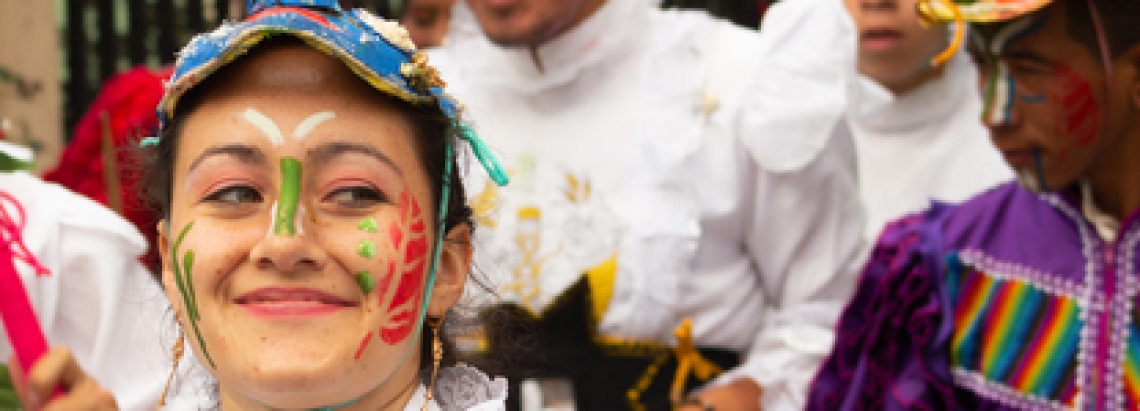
483 153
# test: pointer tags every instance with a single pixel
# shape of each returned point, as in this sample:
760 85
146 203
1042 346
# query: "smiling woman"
300 157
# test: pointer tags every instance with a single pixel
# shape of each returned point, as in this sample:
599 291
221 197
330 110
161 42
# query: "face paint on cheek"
1080 111
368 225
365 281
184 280
1034 99
363 345
402 287
366 249
285 223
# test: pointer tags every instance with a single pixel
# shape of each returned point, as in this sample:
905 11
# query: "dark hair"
433 131
1118 18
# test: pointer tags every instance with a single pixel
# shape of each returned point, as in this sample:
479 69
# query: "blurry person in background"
1025 296
918 133
427 21
658 179
96 304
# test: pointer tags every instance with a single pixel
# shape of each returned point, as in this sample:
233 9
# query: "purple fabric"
1021 215
892 348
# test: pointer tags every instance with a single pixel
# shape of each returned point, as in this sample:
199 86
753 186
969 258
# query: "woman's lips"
291 302
880 39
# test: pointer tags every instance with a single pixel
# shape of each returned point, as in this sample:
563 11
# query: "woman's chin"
294 383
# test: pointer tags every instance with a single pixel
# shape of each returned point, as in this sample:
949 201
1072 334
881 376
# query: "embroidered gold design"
485 204
577 191
527 274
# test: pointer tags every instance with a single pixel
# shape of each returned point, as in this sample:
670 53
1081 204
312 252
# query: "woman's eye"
235 195
356 197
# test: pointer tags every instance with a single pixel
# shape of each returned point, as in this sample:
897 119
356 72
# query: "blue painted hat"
378 50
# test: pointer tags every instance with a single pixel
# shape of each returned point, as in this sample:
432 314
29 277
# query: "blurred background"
57 55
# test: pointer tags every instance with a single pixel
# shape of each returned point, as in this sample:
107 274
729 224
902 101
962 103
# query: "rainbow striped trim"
1132 364
1015 334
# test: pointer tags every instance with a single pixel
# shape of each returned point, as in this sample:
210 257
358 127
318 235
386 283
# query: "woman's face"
307 222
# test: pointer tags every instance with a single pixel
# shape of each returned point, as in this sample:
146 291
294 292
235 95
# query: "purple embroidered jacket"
1008 301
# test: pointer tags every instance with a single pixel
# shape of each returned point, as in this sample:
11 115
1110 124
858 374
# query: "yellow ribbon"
689 360
931 14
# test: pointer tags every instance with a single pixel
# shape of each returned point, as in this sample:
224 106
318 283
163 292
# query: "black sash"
562 343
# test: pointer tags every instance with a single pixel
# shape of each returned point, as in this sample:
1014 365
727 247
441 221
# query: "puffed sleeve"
99 301
891 349
803 231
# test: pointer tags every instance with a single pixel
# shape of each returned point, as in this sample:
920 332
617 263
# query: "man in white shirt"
98 300
917 131
660 171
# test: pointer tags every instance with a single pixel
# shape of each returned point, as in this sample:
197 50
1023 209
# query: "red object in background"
128 100
764 5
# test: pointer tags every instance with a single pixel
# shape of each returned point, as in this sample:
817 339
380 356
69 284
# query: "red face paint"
1080 112
400 289
363 345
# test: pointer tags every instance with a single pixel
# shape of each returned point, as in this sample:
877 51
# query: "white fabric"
462 388
99 301
713 209
1107 226
927 144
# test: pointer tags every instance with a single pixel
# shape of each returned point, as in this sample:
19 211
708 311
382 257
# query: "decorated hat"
379 51
978 11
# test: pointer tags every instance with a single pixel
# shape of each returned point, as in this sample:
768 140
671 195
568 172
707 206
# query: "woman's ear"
451 276
167 273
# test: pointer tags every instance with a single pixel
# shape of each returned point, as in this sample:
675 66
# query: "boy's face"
1046 100
427 21
894 48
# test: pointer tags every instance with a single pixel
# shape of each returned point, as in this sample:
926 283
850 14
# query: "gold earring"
437 357
175 352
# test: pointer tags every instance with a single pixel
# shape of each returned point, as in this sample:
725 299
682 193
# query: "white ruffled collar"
457 388
462 388
599 38
877 109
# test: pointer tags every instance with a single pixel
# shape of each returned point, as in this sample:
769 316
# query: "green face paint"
366 282
182 278
368 225
284 221
367 249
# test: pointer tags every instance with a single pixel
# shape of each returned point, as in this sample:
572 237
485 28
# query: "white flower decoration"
390 29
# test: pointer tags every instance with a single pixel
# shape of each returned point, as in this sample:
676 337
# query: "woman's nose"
291 254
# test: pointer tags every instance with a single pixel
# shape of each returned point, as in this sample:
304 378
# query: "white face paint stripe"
298 219
272 219
309 123
263 123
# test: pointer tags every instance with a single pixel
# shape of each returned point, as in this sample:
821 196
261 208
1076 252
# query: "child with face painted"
315 233
1024 297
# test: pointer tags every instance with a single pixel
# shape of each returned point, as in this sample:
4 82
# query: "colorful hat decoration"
979 11
379 51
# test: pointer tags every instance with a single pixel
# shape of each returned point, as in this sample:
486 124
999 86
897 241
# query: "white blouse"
667 147
99 301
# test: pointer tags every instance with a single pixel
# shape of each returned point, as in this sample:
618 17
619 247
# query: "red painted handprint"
400 289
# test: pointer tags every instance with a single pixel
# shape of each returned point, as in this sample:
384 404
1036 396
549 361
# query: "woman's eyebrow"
244 153
327 152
